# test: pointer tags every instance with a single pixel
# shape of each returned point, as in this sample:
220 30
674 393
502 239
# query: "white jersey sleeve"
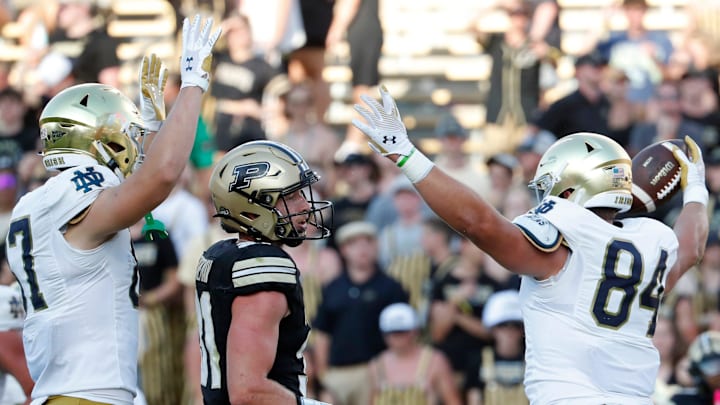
12 313
589 327
539 231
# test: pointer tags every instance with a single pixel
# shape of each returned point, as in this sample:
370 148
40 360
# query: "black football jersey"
229 269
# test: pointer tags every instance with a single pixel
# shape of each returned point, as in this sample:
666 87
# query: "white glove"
196 59
388 135
384 126
153 77
693 173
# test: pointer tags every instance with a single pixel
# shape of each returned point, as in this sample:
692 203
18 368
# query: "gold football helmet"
90 123
588 169
250 181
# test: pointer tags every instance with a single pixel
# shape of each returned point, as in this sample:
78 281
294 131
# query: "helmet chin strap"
107 160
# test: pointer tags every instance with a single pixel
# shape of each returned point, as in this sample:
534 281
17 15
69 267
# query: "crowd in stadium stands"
461 335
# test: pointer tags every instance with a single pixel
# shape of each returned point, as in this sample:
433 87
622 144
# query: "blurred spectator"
664 121
409 372
277 27
704 369
712 179
440 245
310 137
641 54
82 36
545 25
346 326
12 361
501 169
583 110
455 326
307 63
239 80
17 135
622 114
358 176
401 238
10 191
530 151
358 21
274 119
184 214
497 376
454 159
318 265
54 74
699 103
671 349
162 319
514 79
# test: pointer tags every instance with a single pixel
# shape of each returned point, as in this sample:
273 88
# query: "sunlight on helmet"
91 124
255 185
588 169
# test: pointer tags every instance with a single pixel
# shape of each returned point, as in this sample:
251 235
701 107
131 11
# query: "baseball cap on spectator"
398 317
448 125
505 160
593 58
538 143
354 229
354 158
53 68
502 307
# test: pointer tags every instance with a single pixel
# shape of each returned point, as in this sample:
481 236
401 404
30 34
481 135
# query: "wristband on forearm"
695 193
416 165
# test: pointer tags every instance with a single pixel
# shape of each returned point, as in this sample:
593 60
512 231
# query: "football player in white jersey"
250 309
12 360
591 283
68 243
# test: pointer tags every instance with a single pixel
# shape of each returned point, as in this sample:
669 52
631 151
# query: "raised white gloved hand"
384 126
693 173
153 77
196 59
388 135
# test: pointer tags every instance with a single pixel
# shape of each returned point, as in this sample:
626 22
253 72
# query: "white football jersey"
11 318
81 330
589 328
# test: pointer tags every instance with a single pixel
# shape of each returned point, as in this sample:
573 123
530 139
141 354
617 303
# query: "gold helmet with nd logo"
89 124
252 180
588 169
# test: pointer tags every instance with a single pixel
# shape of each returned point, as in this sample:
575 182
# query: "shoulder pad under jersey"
539 231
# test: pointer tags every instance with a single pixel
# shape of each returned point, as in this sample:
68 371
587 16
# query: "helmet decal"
244 174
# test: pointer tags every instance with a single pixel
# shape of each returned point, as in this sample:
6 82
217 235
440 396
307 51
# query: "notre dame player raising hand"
68 243
251 315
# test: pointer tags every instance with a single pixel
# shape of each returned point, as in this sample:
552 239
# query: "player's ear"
566 194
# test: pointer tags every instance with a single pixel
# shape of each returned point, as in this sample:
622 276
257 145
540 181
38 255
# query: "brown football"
656 175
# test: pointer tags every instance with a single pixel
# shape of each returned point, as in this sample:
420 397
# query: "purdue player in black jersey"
251 315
